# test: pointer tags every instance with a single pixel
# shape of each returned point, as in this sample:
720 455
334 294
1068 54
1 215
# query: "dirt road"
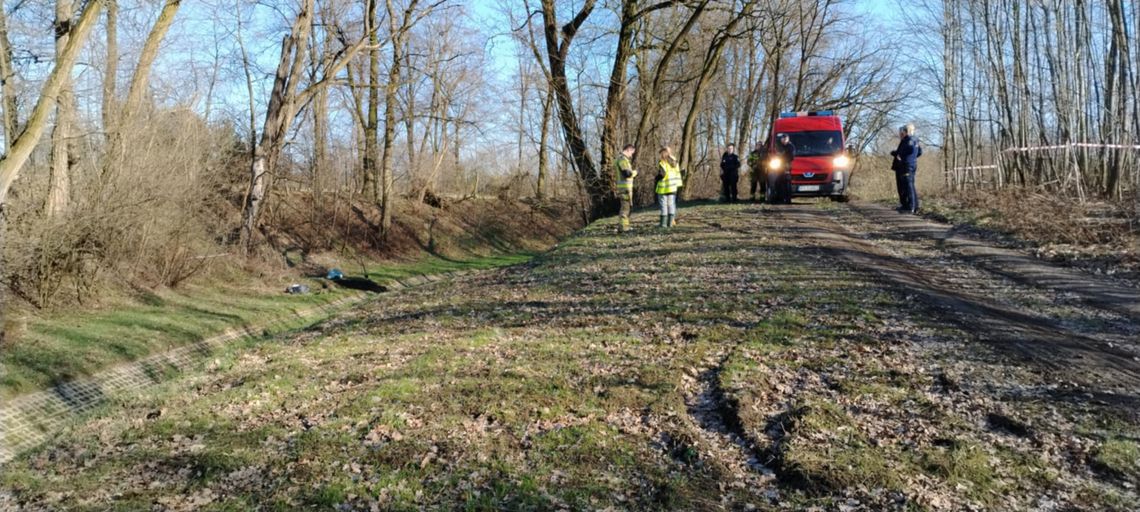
1081 326
773 357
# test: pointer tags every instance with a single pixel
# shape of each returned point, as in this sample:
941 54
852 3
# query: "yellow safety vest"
671 181
623 183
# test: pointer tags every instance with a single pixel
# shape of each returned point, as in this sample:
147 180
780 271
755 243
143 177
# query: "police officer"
779 176
623 178
729 173
905 164
668 181
756 177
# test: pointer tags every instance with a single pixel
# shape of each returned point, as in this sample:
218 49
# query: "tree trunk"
111 67
748 107
596 191
21 147
278 114
7 85
372 123
543 140
386 181
397 34
711 62
59 173
140 81
615 93
320 130
650 112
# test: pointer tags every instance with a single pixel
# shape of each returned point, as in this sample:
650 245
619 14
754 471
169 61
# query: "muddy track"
718 416
1096 291
1100 357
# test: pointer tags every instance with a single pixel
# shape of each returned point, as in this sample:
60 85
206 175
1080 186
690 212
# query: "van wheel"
841 199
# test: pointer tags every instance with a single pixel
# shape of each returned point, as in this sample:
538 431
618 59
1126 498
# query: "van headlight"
775 164
841 161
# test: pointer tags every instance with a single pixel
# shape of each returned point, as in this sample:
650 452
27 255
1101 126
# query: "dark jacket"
730 165
786 152
906 155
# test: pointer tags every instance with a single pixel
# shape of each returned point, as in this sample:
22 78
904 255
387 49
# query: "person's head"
731 148
628 150
666 153
759 145
906 130
783 138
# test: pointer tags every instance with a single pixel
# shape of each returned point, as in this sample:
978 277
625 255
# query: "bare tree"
59 176
1038 94
284 100
557 50
708 68
111 66
125 114
7 85
23 144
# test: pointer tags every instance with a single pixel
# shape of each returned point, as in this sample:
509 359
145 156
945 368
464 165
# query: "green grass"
845 459
66 345
432 265
1120 457
961 463
569 384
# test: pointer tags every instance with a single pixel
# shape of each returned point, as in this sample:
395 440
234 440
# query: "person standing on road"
756 178
905 164
779 176
624 179
668 181
729 174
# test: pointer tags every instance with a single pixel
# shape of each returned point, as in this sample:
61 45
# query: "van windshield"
820 143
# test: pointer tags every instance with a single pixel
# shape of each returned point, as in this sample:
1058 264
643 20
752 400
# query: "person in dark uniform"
756 179
729 174
780 175
905 164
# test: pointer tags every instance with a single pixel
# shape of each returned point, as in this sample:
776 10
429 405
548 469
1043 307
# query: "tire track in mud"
1081 357
717 414
1097 291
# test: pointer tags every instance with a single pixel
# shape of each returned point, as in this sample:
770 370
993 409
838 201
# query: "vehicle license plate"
808 188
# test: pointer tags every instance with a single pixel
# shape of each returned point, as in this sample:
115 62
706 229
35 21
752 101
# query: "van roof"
808 123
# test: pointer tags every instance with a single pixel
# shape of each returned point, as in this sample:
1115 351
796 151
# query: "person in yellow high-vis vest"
668 182
624 183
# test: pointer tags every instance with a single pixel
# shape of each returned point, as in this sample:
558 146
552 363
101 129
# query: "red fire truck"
822 164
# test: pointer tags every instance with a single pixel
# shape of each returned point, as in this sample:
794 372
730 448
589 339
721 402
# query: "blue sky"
185 71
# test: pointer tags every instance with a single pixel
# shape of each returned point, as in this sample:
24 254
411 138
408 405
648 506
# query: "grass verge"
66 345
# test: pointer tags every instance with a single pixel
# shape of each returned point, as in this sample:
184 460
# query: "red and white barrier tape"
1072 145
974 168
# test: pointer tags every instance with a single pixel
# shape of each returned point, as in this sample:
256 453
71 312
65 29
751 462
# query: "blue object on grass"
335 274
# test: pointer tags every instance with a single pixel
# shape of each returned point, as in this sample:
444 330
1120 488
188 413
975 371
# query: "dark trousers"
908 196
756 181
728 186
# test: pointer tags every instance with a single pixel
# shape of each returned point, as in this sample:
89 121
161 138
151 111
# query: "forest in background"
148 141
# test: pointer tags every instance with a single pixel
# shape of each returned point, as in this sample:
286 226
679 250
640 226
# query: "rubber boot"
662 223
672 221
